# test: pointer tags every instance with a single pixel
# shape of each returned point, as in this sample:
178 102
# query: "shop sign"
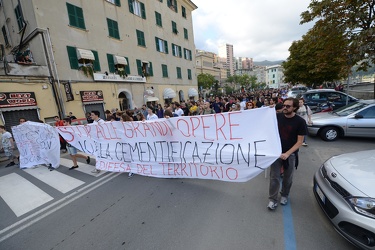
68 91
117 78
17 99
92 96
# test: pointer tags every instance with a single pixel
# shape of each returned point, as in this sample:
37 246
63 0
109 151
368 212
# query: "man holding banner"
292 130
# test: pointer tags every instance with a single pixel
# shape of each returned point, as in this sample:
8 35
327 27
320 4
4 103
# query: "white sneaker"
130 175
272 205
95 171
283 200
304 144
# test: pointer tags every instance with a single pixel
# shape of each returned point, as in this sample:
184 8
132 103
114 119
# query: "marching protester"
292 129
151 115
305 112
95 116
60 122
8 145
73 151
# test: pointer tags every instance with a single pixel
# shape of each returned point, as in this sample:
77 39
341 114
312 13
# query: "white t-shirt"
5 140
179 112
152 117
100 121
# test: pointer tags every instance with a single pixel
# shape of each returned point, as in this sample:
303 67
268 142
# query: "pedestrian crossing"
22 196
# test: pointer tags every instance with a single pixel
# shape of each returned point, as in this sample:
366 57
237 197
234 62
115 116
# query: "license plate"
320 194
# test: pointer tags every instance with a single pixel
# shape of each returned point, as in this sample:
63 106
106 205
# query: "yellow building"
93 55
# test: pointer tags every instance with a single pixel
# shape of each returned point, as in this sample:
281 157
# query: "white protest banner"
233 146
38 143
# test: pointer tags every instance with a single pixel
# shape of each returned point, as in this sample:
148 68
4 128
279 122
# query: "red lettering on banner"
206 127
127 124
233 125
144 169
219 127
70 135
112 166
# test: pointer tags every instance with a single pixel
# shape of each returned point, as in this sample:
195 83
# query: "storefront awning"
169 93
152 99
17 108
192 92
120 60
85 54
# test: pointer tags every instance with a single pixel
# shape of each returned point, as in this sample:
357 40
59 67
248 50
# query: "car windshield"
350 109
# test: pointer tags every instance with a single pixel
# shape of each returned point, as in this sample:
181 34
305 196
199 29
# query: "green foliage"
205 80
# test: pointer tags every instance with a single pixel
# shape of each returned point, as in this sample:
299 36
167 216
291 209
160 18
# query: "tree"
355 19
205 80
321 56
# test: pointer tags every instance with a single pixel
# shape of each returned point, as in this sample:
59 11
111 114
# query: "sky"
259 29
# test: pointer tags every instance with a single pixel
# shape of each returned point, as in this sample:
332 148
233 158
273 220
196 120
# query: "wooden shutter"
73 59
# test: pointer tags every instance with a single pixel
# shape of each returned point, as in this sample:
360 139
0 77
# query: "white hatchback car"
344 188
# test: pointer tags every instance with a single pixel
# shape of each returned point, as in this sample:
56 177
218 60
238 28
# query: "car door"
363 124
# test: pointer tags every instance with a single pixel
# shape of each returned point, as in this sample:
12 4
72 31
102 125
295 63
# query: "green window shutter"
118 3
96 62
185 53
139 67
164 70
190 56
130 3
127 67
174 27
110 29
111 63
19 17
175 6
150 70
73 59
71 14
189 74
80 19
157 44
166 47
183 10
113 28
179 51
158 19
178 72
143 10
186 34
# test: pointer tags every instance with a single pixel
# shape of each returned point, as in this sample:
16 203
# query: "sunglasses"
287 106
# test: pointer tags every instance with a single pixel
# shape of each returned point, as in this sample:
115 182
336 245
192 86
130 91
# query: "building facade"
78 56
226 57
275 76
205 64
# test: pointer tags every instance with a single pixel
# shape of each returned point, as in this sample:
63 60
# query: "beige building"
226 57
93 55
205 64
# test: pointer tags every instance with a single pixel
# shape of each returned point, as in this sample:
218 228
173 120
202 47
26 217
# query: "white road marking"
62 182
21 195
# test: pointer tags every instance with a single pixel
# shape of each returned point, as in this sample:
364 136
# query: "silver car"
344 188
356 119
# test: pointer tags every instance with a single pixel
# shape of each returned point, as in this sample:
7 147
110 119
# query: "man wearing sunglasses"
292 130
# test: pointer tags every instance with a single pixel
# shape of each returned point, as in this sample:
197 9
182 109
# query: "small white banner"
38 143
234 146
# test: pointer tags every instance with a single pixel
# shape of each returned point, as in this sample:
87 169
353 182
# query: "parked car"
293 92
344 189
356 119
316 96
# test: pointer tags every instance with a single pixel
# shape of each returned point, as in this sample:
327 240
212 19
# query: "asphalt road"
115 212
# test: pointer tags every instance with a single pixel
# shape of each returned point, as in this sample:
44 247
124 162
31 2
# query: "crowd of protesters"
210 105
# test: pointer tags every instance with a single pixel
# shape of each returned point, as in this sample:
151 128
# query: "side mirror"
358 116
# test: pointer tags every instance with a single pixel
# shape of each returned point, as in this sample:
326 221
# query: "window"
158 19
5 35
137 8
164 69
144 68
73 59
186 34
189 74
141 38
176 50
112 67
113 28
178 69
174 27
187 54
115 2
183 11
75 16
19 17
172 4
161 45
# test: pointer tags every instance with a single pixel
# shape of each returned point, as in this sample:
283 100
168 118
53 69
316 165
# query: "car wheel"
329 134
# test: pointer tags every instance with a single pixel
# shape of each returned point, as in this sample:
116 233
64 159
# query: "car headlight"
363 205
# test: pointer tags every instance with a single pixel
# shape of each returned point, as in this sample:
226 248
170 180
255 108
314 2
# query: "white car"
344 187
